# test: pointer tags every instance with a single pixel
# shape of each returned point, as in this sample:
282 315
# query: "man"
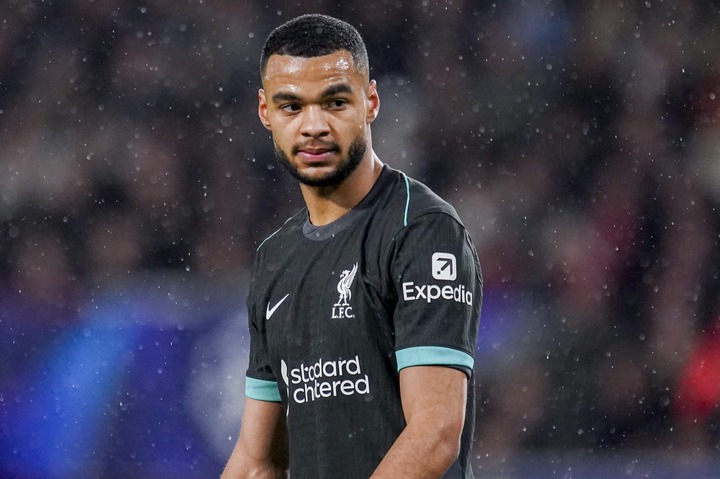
363 307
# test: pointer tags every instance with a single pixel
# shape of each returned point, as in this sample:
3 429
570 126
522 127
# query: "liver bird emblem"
343 287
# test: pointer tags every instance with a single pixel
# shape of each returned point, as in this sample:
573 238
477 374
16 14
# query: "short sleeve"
260 381
437 278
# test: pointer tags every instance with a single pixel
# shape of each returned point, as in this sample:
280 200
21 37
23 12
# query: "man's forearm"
419 453
433 401
241 465
261 450
254 473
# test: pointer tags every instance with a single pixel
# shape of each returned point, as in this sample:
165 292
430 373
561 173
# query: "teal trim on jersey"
433 356
276 232
407 198
263 241
262 390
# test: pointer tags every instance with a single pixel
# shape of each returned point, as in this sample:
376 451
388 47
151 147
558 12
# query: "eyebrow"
336 89
329 92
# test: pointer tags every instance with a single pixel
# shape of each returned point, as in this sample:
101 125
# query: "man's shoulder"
284 233
418 199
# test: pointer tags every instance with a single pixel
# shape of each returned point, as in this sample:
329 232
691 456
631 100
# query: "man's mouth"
315 154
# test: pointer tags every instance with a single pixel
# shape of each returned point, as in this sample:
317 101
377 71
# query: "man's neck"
328 204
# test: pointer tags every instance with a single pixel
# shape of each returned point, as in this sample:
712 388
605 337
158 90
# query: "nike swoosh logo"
270 311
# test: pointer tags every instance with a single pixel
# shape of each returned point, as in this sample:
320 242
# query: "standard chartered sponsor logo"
431 292
326 379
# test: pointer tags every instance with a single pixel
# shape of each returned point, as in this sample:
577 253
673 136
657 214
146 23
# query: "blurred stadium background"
579 141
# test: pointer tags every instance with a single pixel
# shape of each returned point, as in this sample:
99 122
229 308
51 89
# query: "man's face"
319 110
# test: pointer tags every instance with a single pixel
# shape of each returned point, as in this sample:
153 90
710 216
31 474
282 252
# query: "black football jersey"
335 312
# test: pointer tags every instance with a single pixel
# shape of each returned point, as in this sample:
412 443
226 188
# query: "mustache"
315 145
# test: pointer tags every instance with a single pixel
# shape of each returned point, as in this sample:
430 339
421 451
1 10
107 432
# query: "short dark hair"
315 35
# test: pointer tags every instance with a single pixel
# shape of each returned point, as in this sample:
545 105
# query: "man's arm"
261 450
433 399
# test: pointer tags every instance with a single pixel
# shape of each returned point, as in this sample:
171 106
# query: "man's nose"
314 122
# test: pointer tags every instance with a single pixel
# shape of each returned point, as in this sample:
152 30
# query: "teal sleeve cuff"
262 390
433 356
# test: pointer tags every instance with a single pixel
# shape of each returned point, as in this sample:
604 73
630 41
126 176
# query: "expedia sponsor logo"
326 379
432 292
444 268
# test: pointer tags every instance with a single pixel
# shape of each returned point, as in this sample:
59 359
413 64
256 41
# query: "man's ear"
373 102
263 109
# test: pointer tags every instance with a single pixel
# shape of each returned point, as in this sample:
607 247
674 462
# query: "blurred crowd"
579 142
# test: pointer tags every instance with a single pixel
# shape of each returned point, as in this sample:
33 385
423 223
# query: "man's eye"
290 107
337 103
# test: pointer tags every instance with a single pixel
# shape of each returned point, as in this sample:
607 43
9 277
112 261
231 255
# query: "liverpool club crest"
342 308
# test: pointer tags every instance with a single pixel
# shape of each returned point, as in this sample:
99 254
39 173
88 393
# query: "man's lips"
315 154
315 157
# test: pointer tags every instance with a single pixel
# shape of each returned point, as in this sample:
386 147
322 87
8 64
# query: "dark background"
579 142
